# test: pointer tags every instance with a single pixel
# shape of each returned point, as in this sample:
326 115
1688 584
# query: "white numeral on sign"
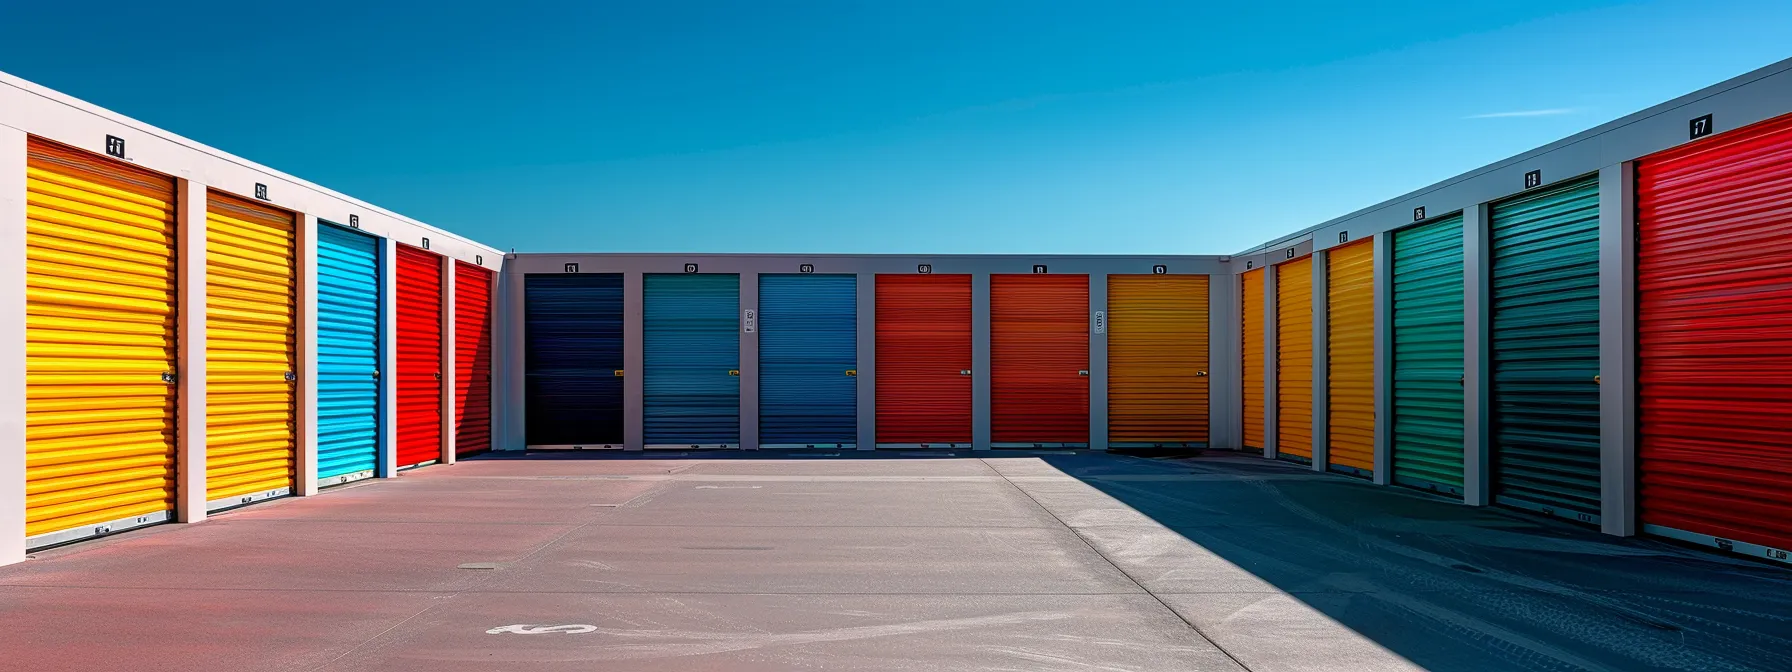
1101 321
750 318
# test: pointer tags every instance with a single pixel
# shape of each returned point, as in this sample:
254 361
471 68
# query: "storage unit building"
1714 339
419 388
691 345
1294 360
808 360
1157 360
1544 354
251 351
1428 377
572 360
472 359
349 333
1250 312
1350 358
923 360
1039 360
100 345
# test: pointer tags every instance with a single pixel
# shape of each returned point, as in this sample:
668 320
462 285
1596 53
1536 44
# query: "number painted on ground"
532 629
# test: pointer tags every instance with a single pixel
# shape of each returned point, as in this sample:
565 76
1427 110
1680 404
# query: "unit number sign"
749 320
1101 321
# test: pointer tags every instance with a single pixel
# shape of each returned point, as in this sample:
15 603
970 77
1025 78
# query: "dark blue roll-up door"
348 354
572 353
691 344
808 354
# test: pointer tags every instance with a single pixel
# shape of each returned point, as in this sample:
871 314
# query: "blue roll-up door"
691 344
808 354
348 355
572 356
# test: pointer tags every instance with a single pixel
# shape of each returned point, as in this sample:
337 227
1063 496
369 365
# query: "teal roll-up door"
348 354
572 358
808 354
691 345
1428 292
1545 351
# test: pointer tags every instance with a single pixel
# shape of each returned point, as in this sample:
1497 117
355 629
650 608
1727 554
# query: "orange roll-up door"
251 356
472 359
1350 357
923 359
99 345
1039 359
1250 310
1157 359
1294 360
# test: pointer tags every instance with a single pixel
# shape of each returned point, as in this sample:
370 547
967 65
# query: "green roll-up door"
1428 356
1545 351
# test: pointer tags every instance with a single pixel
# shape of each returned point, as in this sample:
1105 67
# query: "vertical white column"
189 428
1617 350
1476 474
867 364
1271 414
494 364
305 468
12 345
1098 361
1224 363
388 458
449 374
634 356
1321 361
981 416
1383 281
749 362
508 397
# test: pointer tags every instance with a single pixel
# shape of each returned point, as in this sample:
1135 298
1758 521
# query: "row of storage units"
108 304
808 339
1491 328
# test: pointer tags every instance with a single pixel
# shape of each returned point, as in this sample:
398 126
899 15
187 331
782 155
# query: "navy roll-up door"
348 354
691 345
572 351
808 354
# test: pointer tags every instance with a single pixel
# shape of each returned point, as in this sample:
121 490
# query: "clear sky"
964 126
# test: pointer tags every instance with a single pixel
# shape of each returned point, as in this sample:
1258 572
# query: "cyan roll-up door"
808 354
691 346
572 360
1428 292
348 355
1545 351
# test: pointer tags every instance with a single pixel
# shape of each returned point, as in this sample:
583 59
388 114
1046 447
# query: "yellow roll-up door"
1294 359
1157 359
1350 357
100 345
251 362
1251 312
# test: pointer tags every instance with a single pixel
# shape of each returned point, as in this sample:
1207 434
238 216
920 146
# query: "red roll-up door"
472 359
924 359
1039 359
419 356
1714 335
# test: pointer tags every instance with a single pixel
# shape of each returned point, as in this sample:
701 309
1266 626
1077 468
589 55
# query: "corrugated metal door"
691 343
251 353
1545 351
348 355
808 360
1428 293
924 359
472 359
419 357
1039 359
99 345
1294 360
1157 360
1350 358
572 360
1250 309
1714 334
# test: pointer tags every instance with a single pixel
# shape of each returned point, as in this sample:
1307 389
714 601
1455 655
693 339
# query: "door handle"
1200 374
618 373
1082 372
964 372
852 372
1595 379
438 375
734 372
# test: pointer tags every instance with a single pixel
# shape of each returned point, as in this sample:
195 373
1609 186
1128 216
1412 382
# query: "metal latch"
619 373
964 372
438 375
1200 374
1082 372
852 372
290 376
734 372
1595 379
169 377
376 374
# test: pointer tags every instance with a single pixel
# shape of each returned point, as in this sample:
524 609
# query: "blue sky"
975 126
